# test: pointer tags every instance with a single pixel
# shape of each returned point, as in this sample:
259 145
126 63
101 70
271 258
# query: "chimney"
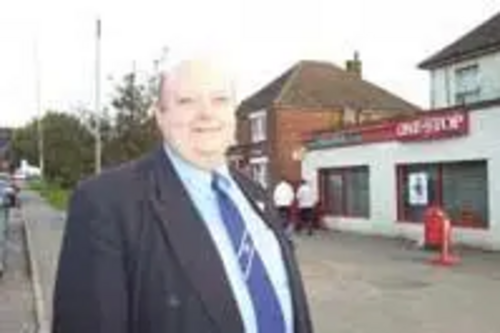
354 66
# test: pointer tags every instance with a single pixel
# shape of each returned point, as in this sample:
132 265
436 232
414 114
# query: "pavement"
16 298
44 229
356 284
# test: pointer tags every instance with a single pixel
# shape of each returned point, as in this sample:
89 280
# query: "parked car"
5 190
8 194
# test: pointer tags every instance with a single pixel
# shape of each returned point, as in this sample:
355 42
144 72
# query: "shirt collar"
194 176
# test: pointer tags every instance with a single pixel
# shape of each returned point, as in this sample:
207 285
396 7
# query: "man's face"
196 112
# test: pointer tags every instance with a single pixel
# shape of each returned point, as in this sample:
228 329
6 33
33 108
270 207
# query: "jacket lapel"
302 320
183 227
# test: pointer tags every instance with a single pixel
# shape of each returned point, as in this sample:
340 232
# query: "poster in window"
418 189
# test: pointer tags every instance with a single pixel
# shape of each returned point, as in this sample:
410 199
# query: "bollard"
445 257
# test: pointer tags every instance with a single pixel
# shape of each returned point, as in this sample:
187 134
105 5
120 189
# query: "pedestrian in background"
283 200
306 202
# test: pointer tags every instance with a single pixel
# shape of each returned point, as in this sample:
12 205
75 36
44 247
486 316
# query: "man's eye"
185 100
221 99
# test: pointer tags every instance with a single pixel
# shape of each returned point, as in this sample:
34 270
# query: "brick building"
309 97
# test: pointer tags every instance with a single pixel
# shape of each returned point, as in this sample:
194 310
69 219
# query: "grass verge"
53 193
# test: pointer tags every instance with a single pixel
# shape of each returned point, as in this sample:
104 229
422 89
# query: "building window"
259 170
346 191
258 126
350 116
467 88
461 188
336 120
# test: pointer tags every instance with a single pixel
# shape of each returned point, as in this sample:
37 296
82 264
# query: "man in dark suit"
178 242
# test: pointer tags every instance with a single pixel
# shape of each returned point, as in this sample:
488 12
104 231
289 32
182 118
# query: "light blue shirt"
198 185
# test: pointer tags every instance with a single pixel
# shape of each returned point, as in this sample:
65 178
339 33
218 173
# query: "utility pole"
41 157
160 66
97 130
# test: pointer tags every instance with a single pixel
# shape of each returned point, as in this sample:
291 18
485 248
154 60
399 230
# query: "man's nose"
205 107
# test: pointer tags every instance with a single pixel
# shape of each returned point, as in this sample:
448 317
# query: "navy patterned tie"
268 311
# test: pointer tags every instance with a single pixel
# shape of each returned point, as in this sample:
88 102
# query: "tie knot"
220 182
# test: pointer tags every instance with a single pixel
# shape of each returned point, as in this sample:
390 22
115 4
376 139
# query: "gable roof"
483 39
316 84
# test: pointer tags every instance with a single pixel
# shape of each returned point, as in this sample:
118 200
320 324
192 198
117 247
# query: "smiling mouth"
207 130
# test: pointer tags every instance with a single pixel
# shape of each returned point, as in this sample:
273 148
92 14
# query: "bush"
54 194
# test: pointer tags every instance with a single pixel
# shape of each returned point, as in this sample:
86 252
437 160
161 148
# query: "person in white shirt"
306 201
283 197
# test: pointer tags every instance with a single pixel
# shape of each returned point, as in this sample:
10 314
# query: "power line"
38 80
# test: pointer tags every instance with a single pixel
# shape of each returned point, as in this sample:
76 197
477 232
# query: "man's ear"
157 112
158 107
160 103
153 108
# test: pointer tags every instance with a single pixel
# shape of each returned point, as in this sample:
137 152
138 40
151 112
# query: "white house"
380 178
468 70
27 171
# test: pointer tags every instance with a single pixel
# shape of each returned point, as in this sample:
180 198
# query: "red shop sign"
433 126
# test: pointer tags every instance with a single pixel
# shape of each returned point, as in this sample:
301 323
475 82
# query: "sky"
48 47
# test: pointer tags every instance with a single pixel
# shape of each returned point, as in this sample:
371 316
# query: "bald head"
196 110
203 70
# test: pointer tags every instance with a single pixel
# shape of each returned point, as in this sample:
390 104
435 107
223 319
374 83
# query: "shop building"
379 179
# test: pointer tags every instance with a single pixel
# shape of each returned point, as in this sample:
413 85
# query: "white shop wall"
483 142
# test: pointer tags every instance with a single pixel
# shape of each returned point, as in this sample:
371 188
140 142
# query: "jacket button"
173 301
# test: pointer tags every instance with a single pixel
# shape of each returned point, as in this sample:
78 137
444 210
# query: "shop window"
419 190
461 188
465 193
346 191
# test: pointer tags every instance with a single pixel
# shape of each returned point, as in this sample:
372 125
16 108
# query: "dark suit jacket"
136 258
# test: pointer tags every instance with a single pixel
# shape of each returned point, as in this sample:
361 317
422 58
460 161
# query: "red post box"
439 232
434 218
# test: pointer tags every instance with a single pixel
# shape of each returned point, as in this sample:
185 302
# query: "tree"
68 147
69 139
134 132
89 119
69 153
24 145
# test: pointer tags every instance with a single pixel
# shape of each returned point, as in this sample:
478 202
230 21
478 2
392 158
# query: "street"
360 284
355 284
